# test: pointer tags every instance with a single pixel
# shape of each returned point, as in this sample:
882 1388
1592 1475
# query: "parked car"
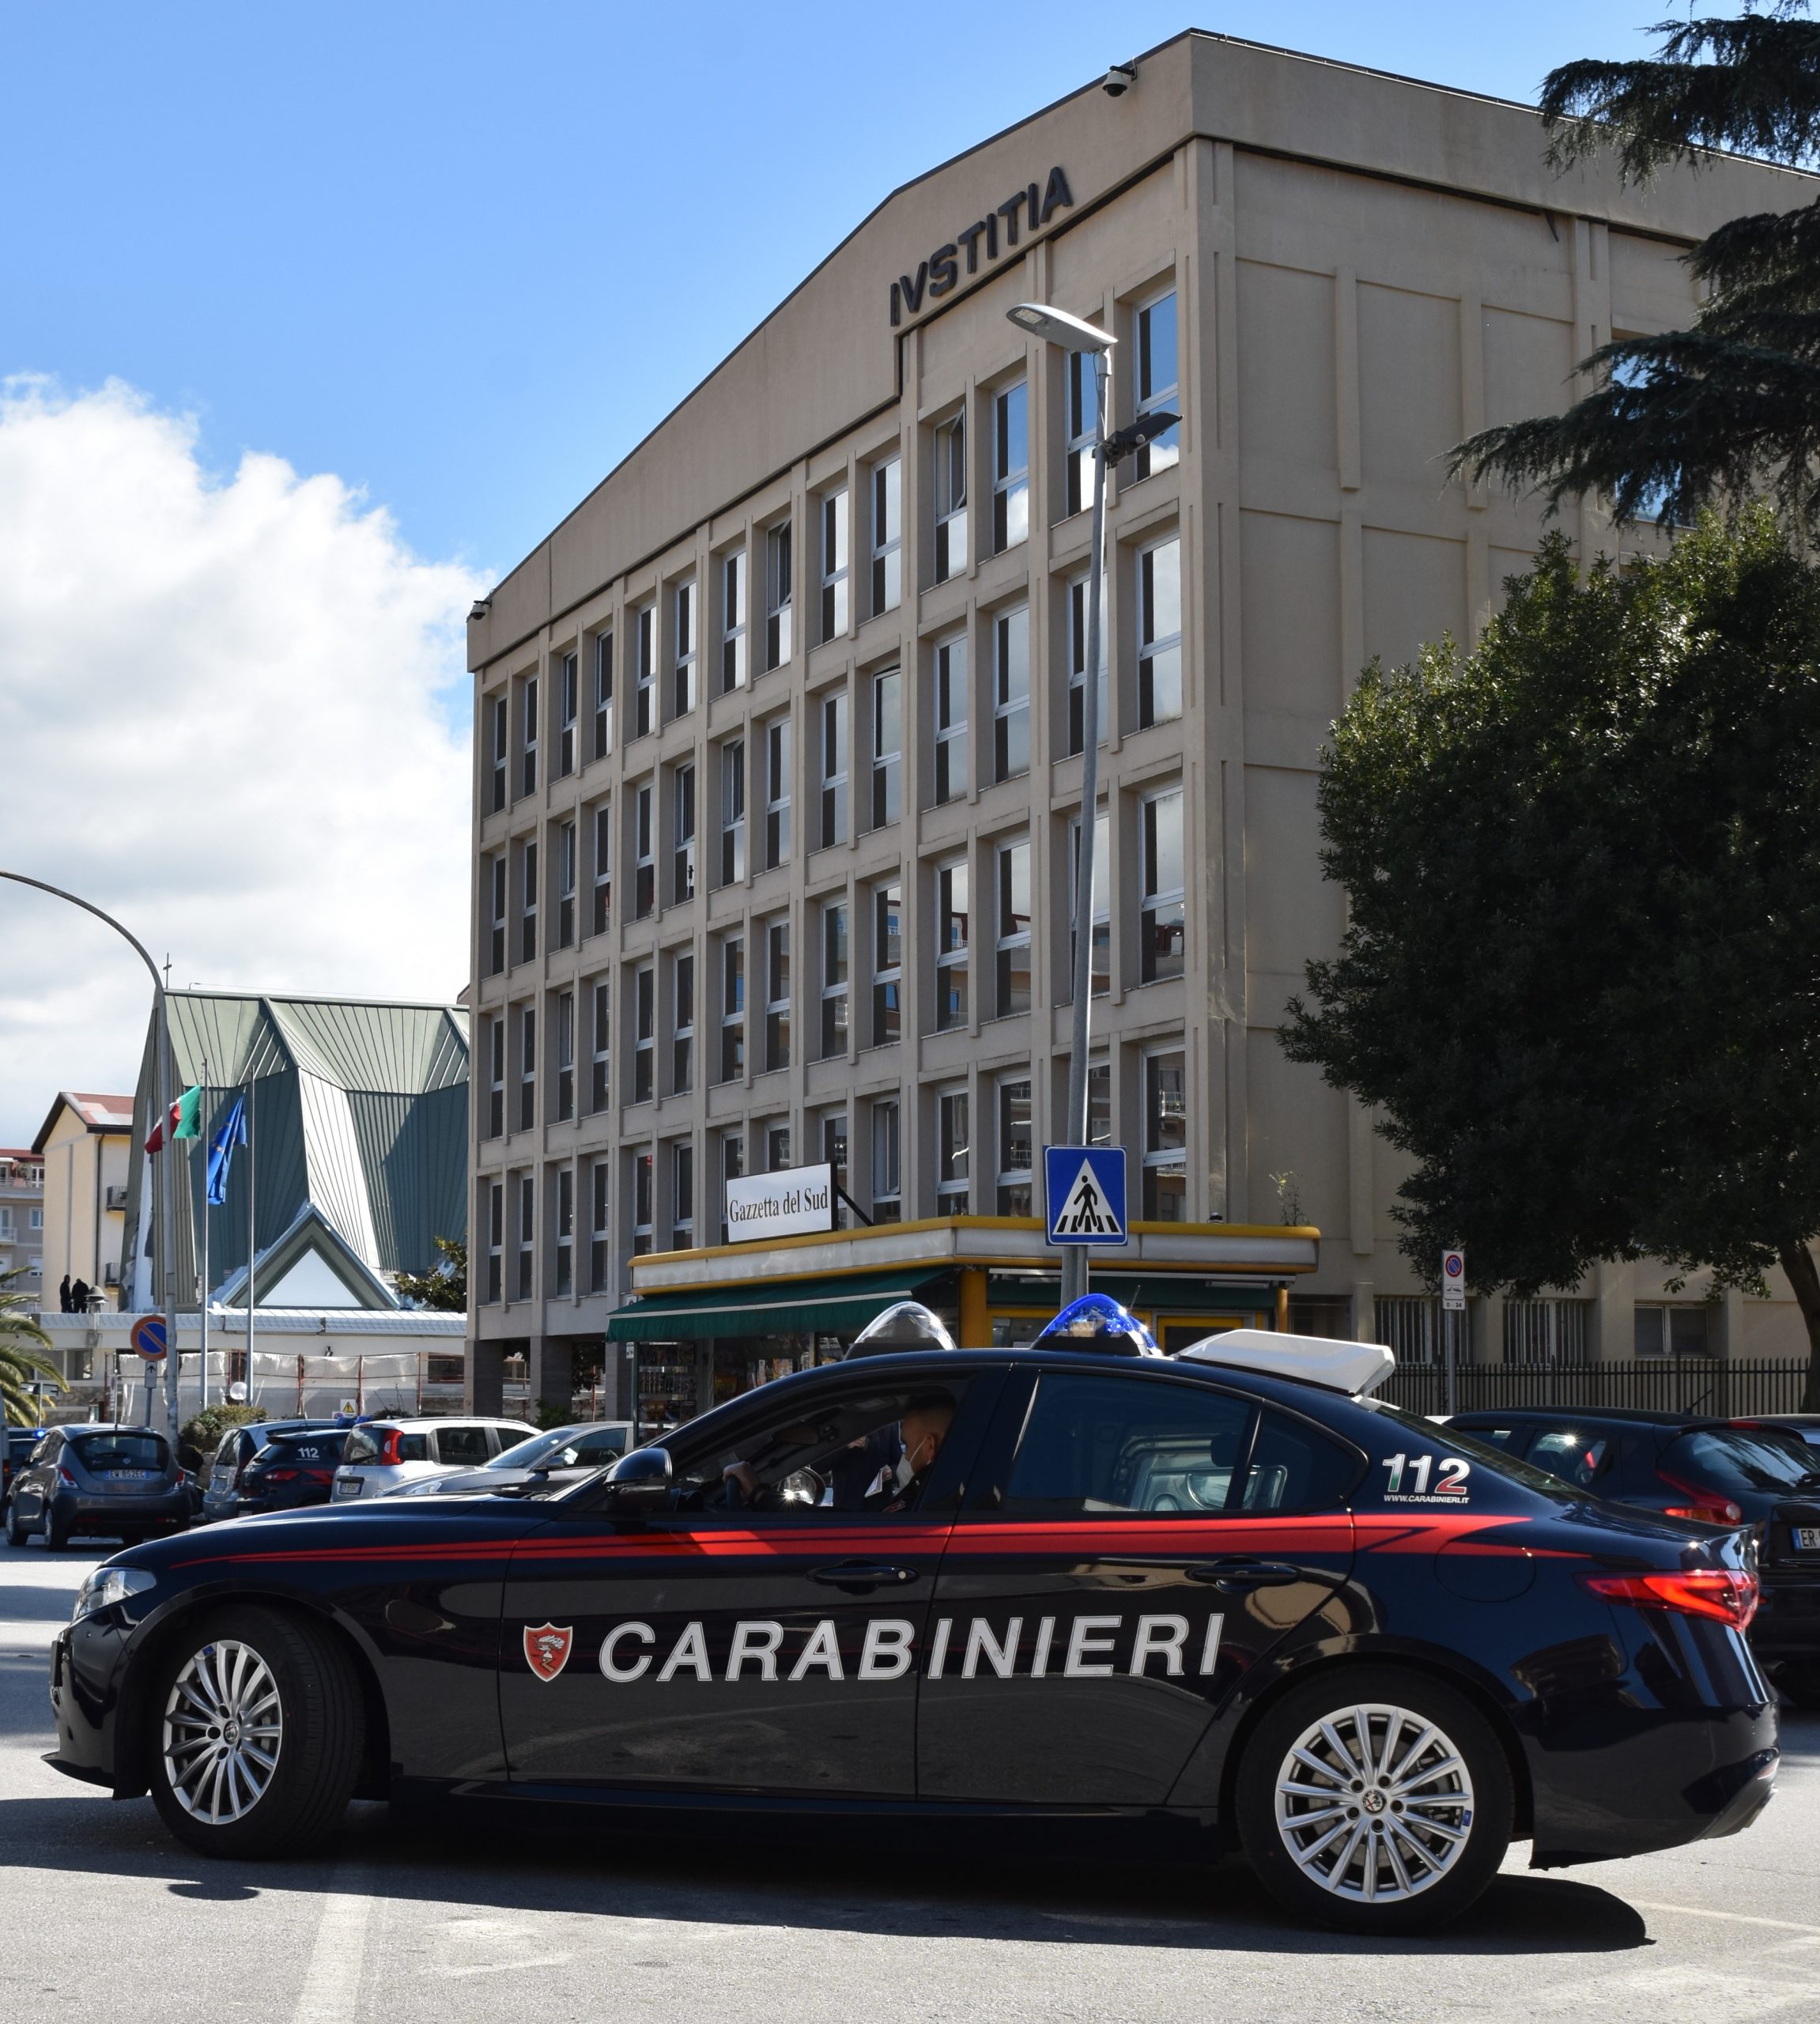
1804 1426
382 1454
296 1467
122 1481
1715 1472
551 1460
14 1454
225 1494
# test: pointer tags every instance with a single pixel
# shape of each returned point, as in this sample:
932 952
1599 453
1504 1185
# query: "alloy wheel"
223 1729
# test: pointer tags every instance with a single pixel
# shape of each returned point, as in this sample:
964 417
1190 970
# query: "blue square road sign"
1084 1193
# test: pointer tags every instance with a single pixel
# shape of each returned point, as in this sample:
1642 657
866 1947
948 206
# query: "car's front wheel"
1374 1800
257 1730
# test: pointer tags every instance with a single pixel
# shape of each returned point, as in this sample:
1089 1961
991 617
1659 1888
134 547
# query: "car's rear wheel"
256 1731
1374 1800
56 1530
17 1534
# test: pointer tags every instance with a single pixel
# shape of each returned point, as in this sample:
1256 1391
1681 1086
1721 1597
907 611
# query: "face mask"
907 1466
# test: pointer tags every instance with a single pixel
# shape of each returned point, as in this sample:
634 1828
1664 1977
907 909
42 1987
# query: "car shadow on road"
861 1880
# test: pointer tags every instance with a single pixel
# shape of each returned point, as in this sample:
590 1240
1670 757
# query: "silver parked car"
563 1455
383 1454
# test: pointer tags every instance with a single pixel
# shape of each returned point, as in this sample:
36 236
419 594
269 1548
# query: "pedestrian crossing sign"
1085 1193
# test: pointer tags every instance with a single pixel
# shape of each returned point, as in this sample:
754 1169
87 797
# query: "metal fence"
1720 1386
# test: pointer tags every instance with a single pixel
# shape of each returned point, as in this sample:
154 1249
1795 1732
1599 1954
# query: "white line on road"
1732 1918
331 1991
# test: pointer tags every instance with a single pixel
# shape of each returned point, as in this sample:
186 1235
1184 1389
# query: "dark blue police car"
1222 1596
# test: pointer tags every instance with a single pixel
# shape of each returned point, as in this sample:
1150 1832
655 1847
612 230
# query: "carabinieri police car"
1225 1595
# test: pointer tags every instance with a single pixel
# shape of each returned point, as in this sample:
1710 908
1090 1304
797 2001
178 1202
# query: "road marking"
1733 1918
506 1967
331 1991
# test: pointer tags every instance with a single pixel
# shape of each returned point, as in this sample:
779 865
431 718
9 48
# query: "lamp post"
161 1083
1073 333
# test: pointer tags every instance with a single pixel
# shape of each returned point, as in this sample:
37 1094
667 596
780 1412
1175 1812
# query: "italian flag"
184 1122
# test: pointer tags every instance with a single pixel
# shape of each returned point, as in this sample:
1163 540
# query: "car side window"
466 1445
1576 1458
1136 1446
1295 1467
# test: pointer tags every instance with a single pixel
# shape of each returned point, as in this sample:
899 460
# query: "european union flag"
232 1133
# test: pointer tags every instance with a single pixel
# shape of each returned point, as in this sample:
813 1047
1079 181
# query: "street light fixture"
1073 333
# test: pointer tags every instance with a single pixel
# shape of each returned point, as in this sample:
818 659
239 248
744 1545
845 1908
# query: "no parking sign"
1453 1282
149 1338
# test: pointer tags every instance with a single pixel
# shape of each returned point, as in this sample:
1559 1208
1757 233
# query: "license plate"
132 1475
1807 1539
351 1488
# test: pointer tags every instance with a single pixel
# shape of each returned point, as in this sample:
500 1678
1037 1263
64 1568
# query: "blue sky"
464 257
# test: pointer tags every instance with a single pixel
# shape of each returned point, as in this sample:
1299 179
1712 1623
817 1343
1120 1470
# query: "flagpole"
252 1223
202 1302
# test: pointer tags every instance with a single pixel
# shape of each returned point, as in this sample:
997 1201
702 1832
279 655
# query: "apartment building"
777 761
21 1220
86 1144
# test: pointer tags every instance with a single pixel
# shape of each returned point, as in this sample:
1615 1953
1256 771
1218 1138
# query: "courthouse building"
777 758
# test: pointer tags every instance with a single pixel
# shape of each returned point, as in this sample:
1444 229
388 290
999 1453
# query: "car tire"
56 1531
17 1534
1419 1846
280 1788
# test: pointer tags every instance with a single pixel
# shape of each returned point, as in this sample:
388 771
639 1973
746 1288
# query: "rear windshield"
102 1451
363 1445
322 1447
1736 1458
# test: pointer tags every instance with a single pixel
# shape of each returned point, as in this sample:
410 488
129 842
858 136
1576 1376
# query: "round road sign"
148 1337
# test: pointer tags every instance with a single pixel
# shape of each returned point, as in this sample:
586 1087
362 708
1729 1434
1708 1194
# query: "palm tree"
21 1339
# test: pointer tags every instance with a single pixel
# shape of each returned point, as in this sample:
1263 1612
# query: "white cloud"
233 714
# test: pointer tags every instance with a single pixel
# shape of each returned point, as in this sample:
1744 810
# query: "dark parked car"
1718 1472
14 1454
122 1481
1804 1426
294 1469
225 1493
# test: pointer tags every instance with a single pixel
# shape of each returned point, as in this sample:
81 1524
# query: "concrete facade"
22 1220
86 1146
1332 276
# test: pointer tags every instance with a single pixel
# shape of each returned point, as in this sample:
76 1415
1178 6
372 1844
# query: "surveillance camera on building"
1119 80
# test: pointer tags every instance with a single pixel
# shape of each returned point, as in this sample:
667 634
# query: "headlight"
107 1585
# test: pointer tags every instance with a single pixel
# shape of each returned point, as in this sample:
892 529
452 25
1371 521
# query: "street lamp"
162 1083
1073 333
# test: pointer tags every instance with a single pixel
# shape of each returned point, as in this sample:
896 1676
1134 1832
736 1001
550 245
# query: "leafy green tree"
1729 407
204 1430
1581 980
444 1287
21 1341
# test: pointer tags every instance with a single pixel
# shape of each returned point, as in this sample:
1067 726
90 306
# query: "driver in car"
916 1443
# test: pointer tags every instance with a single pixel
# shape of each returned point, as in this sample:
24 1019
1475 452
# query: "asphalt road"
102 1915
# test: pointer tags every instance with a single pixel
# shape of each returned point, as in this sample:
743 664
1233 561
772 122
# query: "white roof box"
1351 1367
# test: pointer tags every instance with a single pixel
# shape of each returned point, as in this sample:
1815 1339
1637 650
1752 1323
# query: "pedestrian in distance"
64 1299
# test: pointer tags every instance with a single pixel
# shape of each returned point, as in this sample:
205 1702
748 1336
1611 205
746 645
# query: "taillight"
1726 1594
1706 1505
64 1476
389 1447
281 1475
317 1475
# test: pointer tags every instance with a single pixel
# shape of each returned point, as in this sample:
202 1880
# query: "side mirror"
639 1481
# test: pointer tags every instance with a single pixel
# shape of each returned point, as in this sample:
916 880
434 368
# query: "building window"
527 904
602 695
682 1034
526 1067
1664 1330
644 855
495 923
1099 1103
887 747
496 1076
777 583
887 535
564 1056
951 946
1011 693
776 793
834 1154
1160 633
527 776
494 1243
950 499
644 1033
1102 950
600 1088
564 1232
1166 1136
733 622
1015 1156
951 719
1157 381
887 965
834 565
501 736
1083 422
834 768
732 1168
644 693
600 1228
777 994
602 913
682 850
688 640
1549 1331
1409 1325
565 873
732 1009
526 1237
951 1150
1013 980
681 1195
1078 667
833 980
1010 467
643 1192
1162 913
569 705
887 1163
777 1149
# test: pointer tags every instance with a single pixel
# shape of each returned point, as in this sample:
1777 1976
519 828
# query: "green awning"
830 1306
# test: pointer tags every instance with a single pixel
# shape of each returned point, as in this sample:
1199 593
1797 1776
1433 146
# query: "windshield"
324 1445
1732 1458
1497 1459
104 1451
527 1454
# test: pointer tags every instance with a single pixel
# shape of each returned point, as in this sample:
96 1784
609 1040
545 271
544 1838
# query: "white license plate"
351 1488
1807 1539
132 1475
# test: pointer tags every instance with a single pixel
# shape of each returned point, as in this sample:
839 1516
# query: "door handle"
857 1576
1240 1573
